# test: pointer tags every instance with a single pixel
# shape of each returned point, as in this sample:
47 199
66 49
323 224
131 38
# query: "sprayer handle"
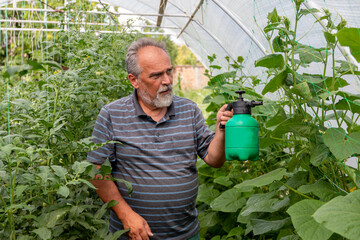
228 108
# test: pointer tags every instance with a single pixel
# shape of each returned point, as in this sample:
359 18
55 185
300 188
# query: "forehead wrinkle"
153 58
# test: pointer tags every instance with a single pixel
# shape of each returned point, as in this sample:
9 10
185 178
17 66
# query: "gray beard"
159 101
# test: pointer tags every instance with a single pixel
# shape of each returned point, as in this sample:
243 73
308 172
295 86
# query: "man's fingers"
144 235
148 230
223 108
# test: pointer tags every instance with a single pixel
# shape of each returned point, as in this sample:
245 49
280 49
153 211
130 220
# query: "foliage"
301 187
185 56
51 104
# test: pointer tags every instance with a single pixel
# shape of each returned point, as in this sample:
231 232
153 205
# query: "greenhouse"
103 135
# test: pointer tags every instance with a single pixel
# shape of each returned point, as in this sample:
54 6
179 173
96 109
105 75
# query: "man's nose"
167 79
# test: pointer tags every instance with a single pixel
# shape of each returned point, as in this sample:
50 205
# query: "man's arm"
107 191
216 151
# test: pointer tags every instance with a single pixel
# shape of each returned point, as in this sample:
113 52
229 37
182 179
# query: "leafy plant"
51 104
306 136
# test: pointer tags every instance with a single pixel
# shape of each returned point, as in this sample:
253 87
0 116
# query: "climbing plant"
301 187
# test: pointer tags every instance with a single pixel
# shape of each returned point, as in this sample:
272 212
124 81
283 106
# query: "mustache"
165 88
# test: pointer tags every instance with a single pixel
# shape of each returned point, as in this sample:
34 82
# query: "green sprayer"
242 131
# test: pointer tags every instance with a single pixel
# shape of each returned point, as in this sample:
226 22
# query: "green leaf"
19 189
86 225
229 201
52 64
276 82
57 128
333 84
302 90
219 99
278 44
127 184
349 102
220 79
48 125
330 38
273 122
290 237
295 125
353 174
309 54
318 154
341 215
341 144
263 180
43 232
236 232
263 202
209 219
116 235
207 193
305 225
297 179
225 181
35 65
80 167
350 37
273 16
271 61
54 216
20 206
347 68
312 78
89 184
261 226
64 191
321 189
59 171
11 71
100 213
308 11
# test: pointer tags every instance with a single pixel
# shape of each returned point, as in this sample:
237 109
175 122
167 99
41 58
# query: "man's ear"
133 80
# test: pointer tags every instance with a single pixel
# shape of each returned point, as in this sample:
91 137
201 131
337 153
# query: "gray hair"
132 65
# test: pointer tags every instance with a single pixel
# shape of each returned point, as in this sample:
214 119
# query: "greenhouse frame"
63 62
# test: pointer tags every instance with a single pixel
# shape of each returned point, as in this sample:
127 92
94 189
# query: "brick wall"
192 77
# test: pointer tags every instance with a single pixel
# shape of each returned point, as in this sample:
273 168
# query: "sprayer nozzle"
255 103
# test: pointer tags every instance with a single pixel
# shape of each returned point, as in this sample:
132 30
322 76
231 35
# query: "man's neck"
155 113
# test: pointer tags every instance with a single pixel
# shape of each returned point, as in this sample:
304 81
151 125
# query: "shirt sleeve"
203 134
103 131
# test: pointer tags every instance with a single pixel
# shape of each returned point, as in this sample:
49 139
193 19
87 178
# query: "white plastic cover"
234 27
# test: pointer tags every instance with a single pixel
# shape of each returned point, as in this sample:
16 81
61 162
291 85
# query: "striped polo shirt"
158 159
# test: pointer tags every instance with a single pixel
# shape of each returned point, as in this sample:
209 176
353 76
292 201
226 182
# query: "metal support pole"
191 18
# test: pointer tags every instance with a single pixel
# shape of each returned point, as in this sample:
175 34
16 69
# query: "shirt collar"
140 112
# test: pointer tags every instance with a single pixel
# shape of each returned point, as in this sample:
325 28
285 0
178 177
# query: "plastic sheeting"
234 27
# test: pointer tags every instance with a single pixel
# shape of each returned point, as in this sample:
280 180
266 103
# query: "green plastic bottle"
242 131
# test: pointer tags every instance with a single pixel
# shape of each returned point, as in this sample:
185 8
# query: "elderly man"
161 136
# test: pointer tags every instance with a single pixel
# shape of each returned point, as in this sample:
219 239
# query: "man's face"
155 81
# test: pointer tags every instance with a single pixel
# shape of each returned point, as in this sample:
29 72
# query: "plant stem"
343 117
55 102
316 113
296 191
293 43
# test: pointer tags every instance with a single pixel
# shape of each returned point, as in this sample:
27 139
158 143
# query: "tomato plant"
51 104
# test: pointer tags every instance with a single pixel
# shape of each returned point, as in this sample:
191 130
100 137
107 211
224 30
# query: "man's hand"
107 190
139 228
216 152
223 116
